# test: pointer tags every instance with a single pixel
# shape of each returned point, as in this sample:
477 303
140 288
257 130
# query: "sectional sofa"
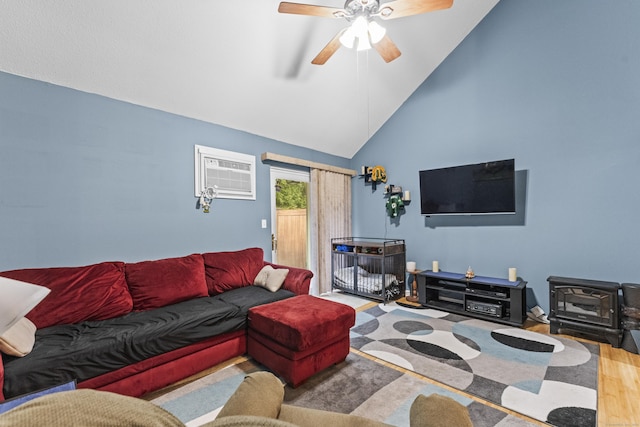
132 328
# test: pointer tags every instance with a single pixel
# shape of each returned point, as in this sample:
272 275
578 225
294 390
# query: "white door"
290 217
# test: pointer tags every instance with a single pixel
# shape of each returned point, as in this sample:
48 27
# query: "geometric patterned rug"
358 386
551 379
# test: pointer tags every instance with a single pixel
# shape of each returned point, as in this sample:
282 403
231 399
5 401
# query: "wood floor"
618 381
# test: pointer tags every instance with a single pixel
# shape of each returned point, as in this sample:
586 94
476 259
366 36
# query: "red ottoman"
299 336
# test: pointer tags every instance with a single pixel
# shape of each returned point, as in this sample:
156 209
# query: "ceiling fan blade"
399 8
328 50
387 49
309 9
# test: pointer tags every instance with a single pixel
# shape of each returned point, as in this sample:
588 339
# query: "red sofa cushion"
230 270
93 292
167 368
298 280
166 281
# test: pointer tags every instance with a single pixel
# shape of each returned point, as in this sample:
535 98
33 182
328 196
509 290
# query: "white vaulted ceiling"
239 64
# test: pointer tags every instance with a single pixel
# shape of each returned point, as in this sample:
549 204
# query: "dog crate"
369 267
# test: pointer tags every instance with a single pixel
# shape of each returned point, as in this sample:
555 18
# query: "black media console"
489 298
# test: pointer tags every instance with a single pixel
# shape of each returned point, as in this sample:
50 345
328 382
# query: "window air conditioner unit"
232 175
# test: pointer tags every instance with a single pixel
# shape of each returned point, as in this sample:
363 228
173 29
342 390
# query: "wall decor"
231 174
374 175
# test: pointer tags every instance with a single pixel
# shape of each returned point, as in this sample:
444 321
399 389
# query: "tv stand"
489 298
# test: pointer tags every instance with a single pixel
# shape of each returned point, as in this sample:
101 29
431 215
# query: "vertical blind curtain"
330 202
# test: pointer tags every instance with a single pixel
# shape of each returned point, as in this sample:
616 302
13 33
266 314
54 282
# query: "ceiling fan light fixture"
376 32
360 29
360 26
363 43
348 38
357 31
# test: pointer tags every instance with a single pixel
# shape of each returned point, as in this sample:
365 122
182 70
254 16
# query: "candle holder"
470 274
414 286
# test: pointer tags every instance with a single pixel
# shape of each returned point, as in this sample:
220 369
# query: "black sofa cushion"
250 296
85 350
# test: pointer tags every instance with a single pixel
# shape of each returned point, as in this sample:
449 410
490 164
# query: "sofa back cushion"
231 270
166 281
93 292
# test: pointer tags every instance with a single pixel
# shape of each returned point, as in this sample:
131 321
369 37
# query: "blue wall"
85 178
553 84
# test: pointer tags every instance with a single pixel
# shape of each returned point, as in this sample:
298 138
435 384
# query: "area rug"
356 386
549 378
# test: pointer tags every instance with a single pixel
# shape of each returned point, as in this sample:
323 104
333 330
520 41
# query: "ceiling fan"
364 32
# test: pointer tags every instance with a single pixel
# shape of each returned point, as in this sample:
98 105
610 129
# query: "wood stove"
589 307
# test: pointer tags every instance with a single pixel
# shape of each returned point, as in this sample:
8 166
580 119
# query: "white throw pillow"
271 278
18 340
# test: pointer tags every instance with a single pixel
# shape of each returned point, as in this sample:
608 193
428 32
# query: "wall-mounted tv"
482 188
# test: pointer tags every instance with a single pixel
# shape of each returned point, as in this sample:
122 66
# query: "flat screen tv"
482 188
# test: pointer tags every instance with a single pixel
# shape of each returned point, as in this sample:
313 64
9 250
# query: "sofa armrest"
259 394
297 281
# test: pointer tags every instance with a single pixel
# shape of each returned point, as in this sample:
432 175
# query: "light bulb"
360 27
376 32
361 31
348 38
363 43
